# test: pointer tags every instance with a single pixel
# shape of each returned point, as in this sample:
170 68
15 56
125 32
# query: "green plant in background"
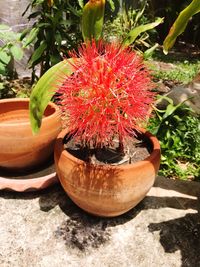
180 24
178 130
55 30
10 50
132 27
183 72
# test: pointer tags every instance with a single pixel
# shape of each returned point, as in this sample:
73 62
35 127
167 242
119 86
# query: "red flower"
108 93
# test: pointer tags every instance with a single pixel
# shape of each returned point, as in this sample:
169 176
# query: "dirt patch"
83 232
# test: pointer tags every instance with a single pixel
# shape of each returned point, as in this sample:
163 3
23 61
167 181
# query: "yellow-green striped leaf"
45 89
180 24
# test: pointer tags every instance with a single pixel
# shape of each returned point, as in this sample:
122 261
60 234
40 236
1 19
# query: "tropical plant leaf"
38 52
112 4
81 3
92 19
31 37
45 89
23 34
180 24
148 53
133 34
17 52
4 57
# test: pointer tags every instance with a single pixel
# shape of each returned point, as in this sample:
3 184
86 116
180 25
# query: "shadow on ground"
80 229
83 231
183 233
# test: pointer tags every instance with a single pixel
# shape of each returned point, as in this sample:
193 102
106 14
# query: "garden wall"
11 13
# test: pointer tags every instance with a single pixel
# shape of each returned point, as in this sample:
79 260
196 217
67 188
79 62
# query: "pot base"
32 180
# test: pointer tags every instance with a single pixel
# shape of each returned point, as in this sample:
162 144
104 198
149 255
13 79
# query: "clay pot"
19 148
106 190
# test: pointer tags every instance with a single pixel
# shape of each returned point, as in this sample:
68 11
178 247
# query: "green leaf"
31 37
112 4
81 3
92 19
133 34
169 110
38 52
17 52
148 53
4 57
43 25
45 89
23 34
180 24
139 15
55 58
34 15
2 69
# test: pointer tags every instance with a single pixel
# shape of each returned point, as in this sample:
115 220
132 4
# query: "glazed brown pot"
106 190
19 148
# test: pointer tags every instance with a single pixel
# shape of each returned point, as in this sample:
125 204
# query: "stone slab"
45 229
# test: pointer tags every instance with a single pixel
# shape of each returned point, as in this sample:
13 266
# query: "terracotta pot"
106 190
19 148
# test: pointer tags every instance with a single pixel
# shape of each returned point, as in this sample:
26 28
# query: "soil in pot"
136 149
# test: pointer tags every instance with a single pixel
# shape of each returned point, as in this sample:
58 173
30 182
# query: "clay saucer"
33 180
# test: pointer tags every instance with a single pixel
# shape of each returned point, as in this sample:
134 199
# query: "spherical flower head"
109 91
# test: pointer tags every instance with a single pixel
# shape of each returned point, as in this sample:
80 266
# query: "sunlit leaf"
38 52
45 89
17 52
31 37
92 19
4 57
133 34
180 24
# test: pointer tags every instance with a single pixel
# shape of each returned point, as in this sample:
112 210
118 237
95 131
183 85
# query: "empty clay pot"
106 190
19 148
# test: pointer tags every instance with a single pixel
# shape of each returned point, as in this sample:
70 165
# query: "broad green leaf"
180 24
133 34
31 37
38 52
17 52
45 89
92 19
4 57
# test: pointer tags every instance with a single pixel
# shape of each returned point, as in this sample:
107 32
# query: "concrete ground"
45 229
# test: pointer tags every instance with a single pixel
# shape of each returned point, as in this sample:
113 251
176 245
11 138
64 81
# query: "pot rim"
154 155
13 100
